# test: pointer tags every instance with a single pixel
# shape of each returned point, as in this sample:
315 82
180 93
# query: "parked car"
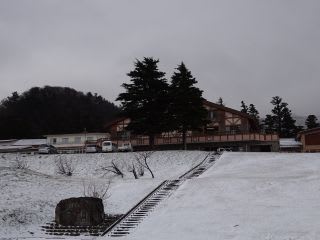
125 147
91 148
109 146
47 149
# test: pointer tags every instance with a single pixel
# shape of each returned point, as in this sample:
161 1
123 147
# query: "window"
53 141
212 129
233 129
77 140
124 135
212 115
89 138
65 140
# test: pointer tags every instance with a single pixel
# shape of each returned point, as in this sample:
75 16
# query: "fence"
240 137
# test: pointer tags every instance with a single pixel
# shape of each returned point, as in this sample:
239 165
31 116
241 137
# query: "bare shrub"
142 159
96 190
132 168
64 166
18 216
20 163
113 168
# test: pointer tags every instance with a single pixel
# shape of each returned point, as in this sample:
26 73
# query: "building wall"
66 140
225 121
311 141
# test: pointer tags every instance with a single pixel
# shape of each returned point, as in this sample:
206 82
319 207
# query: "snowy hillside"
244 196
28 197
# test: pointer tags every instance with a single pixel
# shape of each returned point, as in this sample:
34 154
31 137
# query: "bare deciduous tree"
96 190
114 168
64 166
142 159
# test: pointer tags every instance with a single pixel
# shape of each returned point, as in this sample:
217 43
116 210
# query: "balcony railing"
240 137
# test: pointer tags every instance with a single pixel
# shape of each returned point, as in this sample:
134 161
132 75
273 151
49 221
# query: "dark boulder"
82 211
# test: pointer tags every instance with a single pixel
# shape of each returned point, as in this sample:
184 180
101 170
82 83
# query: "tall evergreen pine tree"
268 123
186 103
145 100
220 101
311 122
281 121
244 107
253 112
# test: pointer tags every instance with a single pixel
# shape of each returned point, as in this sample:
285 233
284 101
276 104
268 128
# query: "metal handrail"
182 176
132 209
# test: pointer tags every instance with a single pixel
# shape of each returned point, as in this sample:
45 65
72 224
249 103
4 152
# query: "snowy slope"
269 196
28 197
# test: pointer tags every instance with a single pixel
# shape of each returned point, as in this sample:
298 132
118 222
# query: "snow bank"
244 196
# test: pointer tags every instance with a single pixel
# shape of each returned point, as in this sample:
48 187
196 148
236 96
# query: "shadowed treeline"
48 110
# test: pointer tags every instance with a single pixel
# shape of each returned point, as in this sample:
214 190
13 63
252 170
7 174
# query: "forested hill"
49 110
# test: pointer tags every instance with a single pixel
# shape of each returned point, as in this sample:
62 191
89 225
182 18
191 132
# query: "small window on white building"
89 138
53 141
65 140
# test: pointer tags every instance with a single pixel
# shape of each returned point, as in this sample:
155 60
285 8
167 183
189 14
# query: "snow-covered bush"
64 166
96 190
20 163
18 216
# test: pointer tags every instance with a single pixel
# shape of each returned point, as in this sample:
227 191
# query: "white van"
109 146
125 147
91 148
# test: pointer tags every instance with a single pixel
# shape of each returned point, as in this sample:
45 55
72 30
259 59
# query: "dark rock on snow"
82 211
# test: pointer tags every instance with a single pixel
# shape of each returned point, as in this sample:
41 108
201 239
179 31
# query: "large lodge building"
227 128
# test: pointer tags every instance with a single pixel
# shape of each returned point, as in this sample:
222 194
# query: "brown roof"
218 106
109 124
309 131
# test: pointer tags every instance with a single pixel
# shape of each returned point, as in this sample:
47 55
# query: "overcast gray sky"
247 50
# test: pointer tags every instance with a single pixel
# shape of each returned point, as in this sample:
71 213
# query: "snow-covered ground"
244 196
267 196
28 197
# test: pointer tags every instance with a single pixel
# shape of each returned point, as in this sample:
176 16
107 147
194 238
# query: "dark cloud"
240 50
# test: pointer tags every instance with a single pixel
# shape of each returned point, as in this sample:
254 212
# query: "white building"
290 145
74 142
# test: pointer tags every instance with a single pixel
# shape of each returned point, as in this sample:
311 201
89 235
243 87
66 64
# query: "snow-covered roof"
289 142
30 142
7 142
13 147
76 134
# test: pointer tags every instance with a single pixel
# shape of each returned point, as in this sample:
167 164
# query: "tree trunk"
151 141
134 172
184 140
149 169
